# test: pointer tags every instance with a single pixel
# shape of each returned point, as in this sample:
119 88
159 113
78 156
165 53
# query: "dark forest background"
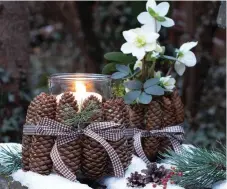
41 38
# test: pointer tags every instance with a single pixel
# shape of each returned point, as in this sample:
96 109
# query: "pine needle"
200 167
84 116
10 160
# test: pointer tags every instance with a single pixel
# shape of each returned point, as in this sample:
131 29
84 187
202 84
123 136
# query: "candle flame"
80 87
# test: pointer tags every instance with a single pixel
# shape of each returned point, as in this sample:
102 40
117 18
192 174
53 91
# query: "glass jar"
81 83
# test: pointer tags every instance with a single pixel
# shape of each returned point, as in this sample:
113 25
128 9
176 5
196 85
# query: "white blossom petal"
146 18
129 35
139 53
180 68
188 46
138 64
149 35
168 22
148 28
162 8
150 47
151 4
127 48
188 58
158 26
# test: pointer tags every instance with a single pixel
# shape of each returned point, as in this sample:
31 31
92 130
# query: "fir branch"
200 167
10 159
83 116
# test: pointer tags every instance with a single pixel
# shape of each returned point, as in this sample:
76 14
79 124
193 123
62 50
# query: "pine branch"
83 116
200 167
10 160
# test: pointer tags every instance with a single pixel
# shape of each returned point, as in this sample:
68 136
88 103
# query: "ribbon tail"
60 165
139 149
175 143
116 162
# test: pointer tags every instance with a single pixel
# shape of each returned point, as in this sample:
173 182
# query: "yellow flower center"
140 41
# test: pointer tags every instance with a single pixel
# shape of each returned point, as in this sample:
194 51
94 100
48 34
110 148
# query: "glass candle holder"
82 85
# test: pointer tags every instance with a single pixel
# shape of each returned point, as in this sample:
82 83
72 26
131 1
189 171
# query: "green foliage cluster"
10 160
200 167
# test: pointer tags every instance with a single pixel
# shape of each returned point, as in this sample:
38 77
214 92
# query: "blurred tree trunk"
14 41
78 19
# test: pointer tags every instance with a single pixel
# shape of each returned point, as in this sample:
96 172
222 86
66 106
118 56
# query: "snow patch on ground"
36 181
136 165
220 185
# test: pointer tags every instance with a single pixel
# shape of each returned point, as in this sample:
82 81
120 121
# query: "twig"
170 70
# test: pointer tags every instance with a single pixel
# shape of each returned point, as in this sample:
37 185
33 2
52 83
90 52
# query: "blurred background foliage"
73 36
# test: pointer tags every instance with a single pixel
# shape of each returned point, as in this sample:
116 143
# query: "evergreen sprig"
10 159
199 167
83 116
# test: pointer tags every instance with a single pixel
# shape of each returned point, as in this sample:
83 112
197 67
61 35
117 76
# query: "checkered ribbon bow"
174 133
99 131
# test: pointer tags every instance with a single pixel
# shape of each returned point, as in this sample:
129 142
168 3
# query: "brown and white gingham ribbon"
174 133
99 131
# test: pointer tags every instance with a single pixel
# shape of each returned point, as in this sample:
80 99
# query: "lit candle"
81 94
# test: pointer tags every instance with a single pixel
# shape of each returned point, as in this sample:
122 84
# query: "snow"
220 185
36 181
136 165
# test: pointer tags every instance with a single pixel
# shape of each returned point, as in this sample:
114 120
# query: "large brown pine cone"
116 110
178 106
153 119
93 103
31 118
40 161
66 102
70 153
136 113
173 113
94 159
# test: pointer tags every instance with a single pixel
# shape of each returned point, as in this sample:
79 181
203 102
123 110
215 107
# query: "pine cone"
26 139
169 119
154 174
40 161
93 103
94 161
178 106
116 110
137 115
153 119
136 180
70 153
67 101
168 112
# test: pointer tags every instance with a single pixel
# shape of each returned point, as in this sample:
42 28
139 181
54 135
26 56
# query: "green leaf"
152 12
109 68
160 18
118 75
144 98
131 96
151 82
123 69
133 85
119 57
155 90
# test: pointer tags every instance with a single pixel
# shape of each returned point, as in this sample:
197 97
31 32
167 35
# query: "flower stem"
170 70
143 74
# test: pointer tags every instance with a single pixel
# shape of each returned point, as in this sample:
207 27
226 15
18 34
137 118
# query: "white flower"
138 64
185 57
139 41
168 82
157 74
160 11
